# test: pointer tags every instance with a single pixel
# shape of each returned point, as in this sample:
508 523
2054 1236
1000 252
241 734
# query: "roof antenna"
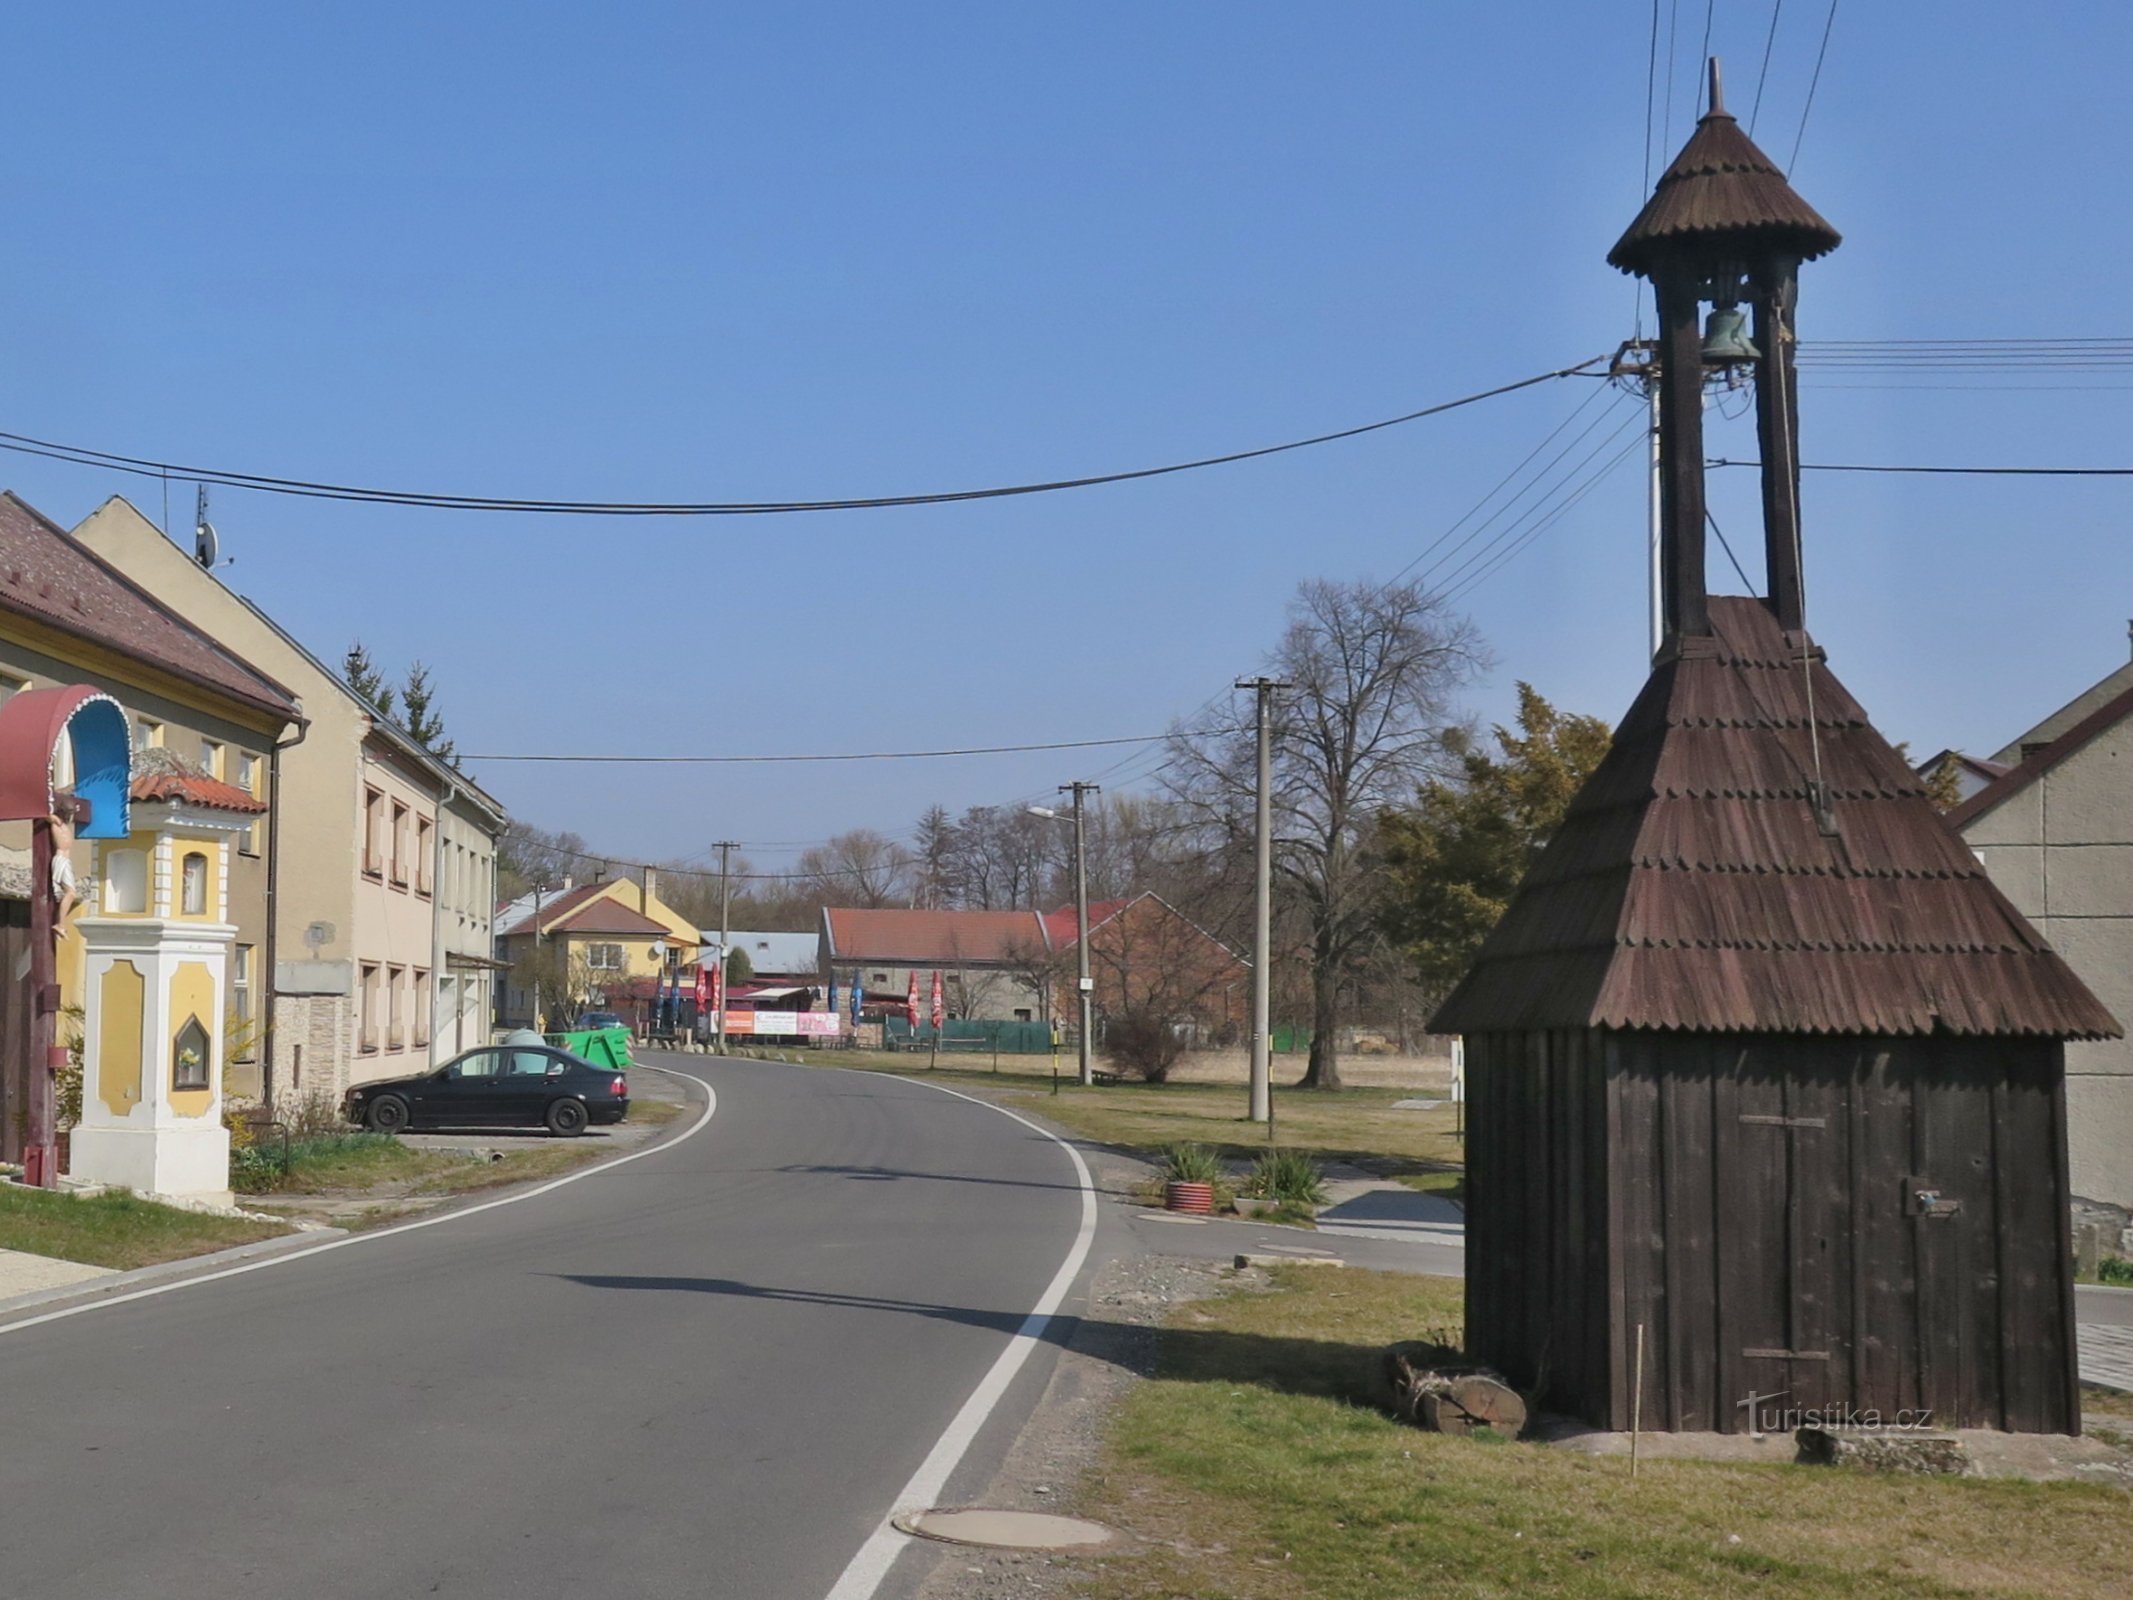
207 544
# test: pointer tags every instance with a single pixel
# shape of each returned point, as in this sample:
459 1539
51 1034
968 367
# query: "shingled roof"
1690 886
1722 189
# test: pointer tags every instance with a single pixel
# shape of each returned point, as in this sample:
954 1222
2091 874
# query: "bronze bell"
1725 338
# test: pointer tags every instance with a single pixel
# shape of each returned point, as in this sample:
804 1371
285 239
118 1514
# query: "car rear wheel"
567 1117
388 1114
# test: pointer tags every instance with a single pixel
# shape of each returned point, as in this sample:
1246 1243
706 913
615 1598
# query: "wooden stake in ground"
1636 1404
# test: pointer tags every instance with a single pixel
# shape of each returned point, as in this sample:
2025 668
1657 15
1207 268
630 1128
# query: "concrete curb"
119 1282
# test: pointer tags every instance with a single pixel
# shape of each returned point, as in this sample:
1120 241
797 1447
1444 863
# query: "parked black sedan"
498 1086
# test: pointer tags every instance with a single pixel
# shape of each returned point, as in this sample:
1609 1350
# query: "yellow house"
68 616
579 946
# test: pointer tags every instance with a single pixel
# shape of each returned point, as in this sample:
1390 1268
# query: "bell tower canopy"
1722 199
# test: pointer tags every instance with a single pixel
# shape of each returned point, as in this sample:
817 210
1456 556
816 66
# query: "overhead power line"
1829 22
861 755
1956 472
146 467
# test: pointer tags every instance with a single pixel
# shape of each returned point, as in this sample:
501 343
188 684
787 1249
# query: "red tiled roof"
53 579
1690 886
1060 926
194 788
922 938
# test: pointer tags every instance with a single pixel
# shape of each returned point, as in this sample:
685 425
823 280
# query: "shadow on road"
1328 1368
895 1174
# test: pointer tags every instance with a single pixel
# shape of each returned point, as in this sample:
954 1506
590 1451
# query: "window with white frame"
422 1007
126 882
374 833
396 1008
372 1000
192 885
423 883
211 758
246 1038
604 957
251 778
399 845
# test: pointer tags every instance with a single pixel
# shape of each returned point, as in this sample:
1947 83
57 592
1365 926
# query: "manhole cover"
1007 1530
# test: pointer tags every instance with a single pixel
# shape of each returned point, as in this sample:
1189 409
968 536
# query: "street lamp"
1084 985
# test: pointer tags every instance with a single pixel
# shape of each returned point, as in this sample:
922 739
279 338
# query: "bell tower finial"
1718 90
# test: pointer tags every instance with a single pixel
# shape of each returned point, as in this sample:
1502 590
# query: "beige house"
2055 831
383 860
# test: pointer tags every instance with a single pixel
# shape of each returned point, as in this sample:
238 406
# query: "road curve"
705 1373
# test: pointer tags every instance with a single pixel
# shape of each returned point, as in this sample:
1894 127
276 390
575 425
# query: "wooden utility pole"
725 934
1262 1090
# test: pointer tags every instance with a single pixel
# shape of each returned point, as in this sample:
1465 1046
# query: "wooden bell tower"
1765 1078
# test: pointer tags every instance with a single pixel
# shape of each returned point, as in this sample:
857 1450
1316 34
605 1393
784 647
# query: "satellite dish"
207 546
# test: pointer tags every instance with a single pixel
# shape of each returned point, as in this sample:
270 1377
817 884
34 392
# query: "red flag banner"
703 990
911 1001
939 1010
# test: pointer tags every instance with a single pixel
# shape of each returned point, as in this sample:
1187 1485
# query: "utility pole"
539 1016
725 933
1636 366
1083 983
1085 986
1262 1091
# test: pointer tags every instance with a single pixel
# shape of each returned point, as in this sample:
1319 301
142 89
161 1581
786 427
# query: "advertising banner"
786 1024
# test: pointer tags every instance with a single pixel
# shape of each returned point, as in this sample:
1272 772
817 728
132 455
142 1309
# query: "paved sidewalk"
23 1273
1366 1207
2106 1355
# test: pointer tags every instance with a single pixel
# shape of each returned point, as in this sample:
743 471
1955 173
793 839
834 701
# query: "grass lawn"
1259 1465
357 1163
1352 1125
115 1229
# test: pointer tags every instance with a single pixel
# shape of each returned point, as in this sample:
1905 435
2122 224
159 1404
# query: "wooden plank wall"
1744 1199
14 1029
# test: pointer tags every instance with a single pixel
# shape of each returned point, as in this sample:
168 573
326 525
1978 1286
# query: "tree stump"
1450 1397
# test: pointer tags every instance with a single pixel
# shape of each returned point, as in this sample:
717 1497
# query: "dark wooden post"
1777 430
40 1152
1681 507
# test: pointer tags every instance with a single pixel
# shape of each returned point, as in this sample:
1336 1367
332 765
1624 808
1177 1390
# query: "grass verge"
1259 1465
1356 1126
116 1229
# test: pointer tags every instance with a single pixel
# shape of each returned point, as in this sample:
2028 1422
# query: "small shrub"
1144 1044
1288 1176
2114 1269
1191 1163
315 1115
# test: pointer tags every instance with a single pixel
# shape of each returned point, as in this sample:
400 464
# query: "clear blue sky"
724 252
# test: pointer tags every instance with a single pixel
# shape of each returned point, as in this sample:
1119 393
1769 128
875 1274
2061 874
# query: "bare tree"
1373 670
859 868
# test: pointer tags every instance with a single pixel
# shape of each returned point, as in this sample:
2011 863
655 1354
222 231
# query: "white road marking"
864 1574
346 1240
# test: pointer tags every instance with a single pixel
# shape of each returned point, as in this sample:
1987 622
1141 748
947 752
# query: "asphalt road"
704 1373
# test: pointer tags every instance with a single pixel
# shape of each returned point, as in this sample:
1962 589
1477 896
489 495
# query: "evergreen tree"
424 726
367 681
1454 860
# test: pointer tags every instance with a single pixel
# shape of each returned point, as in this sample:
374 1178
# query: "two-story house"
382 936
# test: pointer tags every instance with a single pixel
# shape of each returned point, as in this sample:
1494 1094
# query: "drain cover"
1006 1530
